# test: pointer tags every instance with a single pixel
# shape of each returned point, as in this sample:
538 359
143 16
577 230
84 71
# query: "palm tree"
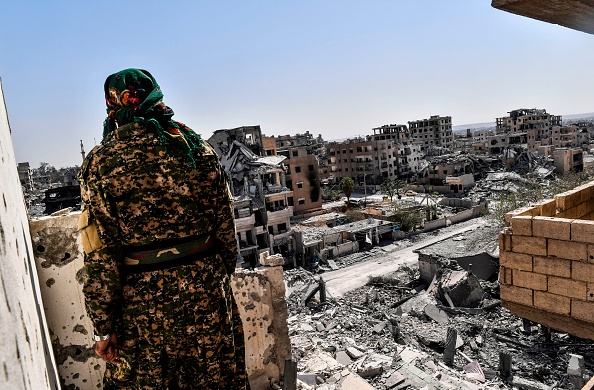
346 185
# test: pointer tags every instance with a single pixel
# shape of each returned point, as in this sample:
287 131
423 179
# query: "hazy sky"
336 68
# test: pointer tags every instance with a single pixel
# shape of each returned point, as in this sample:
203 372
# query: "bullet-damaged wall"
260 296
25 354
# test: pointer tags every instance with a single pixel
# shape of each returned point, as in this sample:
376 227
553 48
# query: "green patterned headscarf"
133 95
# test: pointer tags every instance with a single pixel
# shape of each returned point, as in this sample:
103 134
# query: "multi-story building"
434 134
25 175
389 153
262 201
523 119
302 170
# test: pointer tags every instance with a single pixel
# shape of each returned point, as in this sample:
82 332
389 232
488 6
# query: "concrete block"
549 227
582 271
519 295
590 253
528 210
530 280
505 275
547 208
552 266
552 302
582 231
567 287
567 200
522 225
571 213
582 310
516 260
530 245
267 260
567 249
502 242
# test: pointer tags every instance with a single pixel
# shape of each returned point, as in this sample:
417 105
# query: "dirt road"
346 279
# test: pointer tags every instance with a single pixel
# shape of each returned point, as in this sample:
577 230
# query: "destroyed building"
316 240
302 169
25 175
389 153
568 160
434 134
452 173
263 205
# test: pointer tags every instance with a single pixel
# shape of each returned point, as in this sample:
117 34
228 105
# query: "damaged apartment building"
538 132
453 173
389 153
263 205
302 168
434 135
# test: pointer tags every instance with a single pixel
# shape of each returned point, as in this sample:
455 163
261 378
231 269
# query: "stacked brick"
547 262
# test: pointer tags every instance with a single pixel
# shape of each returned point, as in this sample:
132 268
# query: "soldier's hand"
108 349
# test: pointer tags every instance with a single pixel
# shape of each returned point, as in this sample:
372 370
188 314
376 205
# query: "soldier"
159 240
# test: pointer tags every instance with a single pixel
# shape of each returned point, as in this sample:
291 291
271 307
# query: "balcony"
280 215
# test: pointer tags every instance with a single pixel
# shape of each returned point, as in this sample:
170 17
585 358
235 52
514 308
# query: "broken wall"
260 296
27 360
547 262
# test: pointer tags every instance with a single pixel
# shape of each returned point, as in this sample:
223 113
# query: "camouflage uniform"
177 327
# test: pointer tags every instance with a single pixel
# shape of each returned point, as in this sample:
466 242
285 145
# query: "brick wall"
547 262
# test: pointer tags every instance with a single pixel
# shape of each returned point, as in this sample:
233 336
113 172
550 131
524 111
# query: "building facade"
434 134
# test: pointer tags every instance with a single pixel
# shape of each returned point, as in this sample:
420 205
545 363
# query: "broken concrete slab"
352 381
436 314
354 353
343 358
395 379
463 288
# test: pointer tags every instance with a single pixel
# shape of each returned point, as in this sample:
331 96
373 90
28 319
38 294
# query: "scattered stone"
343 358
436 314
354 353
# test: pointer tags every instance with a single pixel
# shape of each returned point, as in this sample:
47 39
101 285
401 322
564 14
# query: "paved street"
346 279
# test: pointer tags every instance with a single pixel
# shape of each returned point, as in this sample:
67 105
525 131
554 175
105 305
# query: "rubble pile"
395 335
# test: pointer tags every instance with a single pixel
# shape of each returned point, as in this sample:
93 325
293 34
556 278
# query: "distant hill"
473 126
574 117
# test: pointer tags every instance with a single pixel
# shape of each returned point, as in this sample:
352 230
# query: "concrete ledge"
555 321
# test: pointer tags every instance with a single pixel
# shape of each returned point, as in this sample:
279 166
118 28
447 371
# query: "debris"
450 346
462 288
474 371
505 364
271 260
354 353
343 358
575 370
436 314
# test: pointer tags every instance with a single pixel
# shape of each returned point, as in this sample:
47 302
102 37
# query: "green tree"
393 187
407 218
346 185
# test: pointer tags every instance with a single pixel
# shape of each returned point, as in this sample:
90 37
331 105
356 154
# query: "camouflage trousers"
180 329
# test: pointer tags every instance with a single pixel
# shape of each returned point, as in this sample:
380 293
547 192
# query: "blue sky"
336 68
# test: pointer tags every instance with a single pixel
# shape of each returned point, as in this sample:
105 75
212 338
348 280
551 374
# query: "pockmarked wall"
260 296
547 262
27 361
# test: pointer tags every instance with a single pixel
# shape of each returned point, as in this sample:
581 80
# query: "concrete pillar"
27 359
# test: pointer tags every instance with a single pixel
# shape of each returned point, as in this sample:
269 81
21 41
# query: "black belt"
167 254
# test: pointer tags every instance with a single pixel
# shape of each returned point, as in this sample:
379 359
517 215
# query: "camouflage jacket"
135 192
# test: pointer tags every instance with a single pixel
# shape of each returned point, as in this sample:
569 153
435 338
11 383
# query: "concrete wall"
547 262
27 361
58 256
